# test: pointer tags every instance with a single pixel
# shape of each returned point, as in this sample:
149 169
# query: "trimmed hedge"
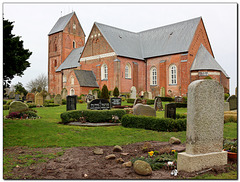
151 101
152 123
181 105
50 105
130 101
92 116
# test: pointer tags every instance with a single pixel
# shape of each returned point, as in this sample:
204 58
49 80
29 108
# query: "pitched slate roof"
86 78
170 39
61 23
205 61
72 60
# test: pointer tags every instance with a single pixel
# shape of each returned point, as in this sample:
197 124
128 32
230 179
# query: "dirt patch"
82 163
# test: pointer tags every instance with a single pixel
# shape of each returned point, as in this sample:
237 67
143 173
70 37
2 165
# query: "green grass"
228 175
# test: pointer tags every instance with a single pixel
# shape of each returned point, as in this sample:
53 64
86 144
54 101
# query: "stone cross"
205 122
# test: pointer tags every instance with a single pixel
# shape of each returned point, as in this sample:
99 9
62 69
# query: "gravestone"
11 95
64 93
170 110
232 102
179 99
90 92
95 94
226 106
71 102
115 101
145 95
149 95
39 99
137 101
17 96
58 99
30 97
89 98
144 110
133 94
162 92
205 123
17 106
48 97
99 104
158 104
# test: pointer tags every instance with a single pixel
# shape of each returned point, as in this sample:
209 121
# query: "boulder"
142 168
127 164
145 110
111 156
117 148
98 151
174 140
17 106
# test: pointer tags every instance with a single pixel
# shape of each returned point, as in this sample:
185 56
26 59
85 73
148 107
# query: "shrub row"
50 105
151 101
5 107
152 123
92 116
179 105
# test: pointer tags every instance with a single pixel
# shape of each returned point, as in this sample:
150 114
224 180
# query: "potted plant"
231 148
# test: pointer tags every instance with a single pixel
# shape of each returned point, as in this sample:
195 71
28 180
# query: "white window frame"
173 74
153 76
104 72
128 72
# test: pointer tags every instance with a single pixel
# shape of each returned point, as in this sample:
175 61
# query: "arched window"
72 80
153 76
64 79
55 63
128 71
72 91
173 75
74 44
104 72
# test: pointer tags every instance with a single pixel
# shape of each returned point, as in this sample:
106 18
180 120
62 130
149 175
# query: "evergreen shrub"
92 116
153 123
105 93
115 92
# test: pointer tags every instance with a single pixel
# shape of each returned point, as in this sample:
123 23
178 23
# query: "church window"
74 26
74 44
153 76
104 72
72 80
128 71
173 75
64 79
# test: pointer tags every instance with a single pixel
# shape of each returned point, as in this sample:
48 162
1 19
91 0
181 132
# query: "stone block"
190 163
145 110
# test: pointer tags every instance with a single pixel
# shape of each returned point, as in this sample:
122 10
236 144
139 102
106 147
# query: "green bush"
152 123
8 102
150 101
115 92
226 96
181 105
49 101
64 102
92 116
130 101
105 93
4 102
167 99
50 105
181 116
5 107
98 92
30 105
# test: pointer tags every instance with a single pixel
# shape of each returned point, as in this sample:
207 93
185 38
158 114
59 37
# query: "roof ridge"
170 25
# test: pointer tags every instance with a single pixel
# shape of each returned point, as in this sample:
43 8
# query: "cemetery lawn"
47 133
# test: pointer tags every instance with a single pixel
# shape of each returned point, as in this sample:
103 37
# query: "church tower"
66 35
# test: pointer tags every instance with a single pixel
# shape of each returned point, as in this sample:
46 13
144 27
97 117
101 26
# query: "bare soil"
82 163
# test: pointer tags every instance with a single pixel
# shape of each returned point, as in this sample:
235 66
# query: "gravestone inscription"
170 110
71 102
99 104
115 101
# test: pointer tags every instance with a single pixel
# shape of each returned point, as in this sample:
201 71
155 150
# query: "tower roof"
205 61
61 23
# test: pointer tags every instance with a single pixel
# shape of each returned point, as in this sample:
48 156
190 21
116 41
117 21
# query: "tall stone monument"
205 124
133 93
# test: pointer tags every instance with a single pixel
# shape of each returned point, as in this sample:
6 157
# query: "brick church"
163 60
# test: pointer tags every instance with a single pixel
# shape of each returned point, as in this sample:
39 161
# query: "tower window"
74 44
128 71
55 47
55 63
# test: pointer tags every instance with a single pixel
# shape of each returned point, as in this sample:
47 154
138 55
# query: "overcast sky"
34 21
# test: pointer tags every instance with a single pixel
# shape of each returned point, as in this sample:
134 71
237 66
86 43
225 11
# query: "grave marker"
58 99
232 102
144 110
133 93
179 99
71 102
137 101
99 104
158 104
205 123
39 99
64 93
115 101
170 110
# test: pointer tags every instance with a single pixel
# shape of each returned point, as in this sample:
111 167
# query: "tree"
104 94
38 84
115 92
14 55
19 89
